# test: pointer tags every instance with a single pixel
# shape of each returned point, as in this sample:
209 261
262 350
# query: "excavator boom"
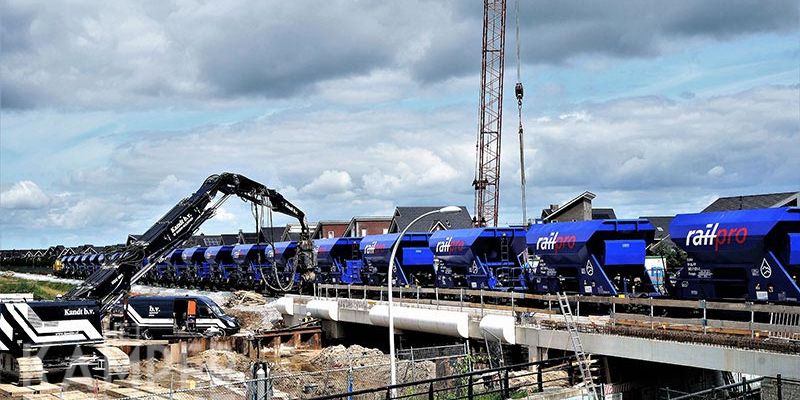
112 281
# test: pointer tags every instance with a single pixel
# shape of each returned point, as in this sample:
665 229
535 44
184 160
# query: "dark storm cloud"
554 32
100 55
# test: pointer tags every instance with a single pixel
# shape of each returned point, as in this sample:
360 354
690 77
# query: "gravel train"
751 255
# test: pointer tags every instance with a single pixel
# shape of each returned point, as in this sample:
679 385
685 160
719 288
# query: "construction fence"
416 378
358 370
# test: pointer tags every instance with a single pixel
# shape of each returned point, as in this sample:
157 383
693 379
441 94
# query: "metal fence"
499 383
354 371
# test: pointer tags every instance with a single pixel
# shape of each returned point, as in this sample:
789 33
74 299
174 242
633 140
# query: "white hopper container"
323 309
285 305
449 323
499 327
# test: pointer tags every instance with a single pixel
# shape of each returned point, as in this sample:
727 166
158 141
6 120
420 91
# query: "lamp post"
443 210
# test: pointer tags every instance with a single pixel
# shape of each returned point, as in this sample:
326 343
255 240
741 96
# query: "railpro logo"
715 236
449 246
556 242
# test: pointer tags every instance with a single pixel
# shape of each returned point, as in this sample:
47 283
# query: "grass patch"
40 290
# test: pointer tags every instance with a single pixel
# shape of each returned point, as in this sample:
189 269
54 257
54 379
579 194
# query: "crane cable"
519 92
259 217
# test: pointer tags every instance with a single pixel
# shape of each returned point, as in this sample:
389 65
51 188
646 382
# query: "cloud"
329 182
24 195
98 55
641 155
654 151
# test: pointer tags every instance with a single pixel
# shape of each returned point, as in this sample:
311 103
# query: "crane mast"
487 168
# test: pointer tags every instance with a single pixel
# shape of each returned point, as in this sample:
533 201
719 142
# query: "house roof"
272 234
404 215
548 214
327 225
661 223
603 213
754 201
352 225
291 232
229 239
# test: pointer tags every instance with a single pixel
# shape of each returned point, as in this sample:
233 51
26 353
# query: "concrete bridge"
538 330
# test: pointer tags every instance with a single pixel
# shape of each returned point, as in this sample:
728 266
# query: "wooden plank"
73 395
40 396
124 392
90 384
45 387
131 383
13 391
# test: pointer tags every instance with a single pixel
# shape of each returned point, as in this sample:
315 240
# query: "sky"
111 112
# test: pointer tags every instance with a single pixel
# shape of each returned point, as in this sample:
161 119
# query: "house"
329 229
577 209
291 232
270 234
662 238
363 226
431 223
769 200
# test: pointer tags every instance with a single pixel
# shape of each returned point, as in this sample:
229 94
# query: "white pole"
393 367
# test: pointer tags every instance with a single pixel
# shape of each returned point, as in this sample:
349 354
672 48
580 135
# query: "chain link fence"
354 370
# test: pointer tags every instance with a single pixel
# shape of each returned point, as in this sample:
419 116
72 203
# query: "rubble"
254 312
245 298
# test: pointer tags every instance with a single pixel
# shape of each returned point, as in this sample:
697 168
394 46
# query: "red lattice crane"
487 165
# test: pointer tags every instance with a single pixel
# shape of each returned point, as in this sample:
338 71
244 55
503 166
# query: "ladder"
494 351
583 362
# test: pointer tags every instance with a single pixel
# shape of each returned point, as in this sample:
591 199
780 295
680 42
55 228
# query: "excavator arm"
112 281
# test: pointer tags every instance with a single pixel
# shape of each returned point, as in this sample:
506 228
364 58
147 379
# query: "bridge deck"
738 346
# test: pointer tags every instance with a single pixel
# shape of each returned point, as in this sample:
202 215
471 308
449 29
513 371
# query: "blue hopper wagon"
338 260
413 261
225 273
480 258
253 263
599 257
194 270
747 254
281 256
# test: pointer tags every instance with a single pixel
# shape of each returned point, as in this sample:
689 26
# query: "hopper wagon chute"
413 261
83 266
253 263
742 254
164 272
193 271
480 258
338 260
225 273
599 257
281 256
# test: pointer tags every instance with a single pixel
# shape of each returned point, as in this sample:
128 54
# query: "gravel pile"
355 355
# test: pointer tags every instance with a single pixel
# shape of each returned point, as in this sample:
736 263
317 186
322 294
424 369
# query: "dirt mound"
219 359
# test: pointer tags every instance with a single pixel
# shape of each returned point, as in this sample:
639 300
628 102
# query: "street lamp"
443 210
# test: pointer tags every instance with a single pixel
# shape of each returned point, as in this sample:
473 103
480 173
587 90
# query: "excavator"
65 335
